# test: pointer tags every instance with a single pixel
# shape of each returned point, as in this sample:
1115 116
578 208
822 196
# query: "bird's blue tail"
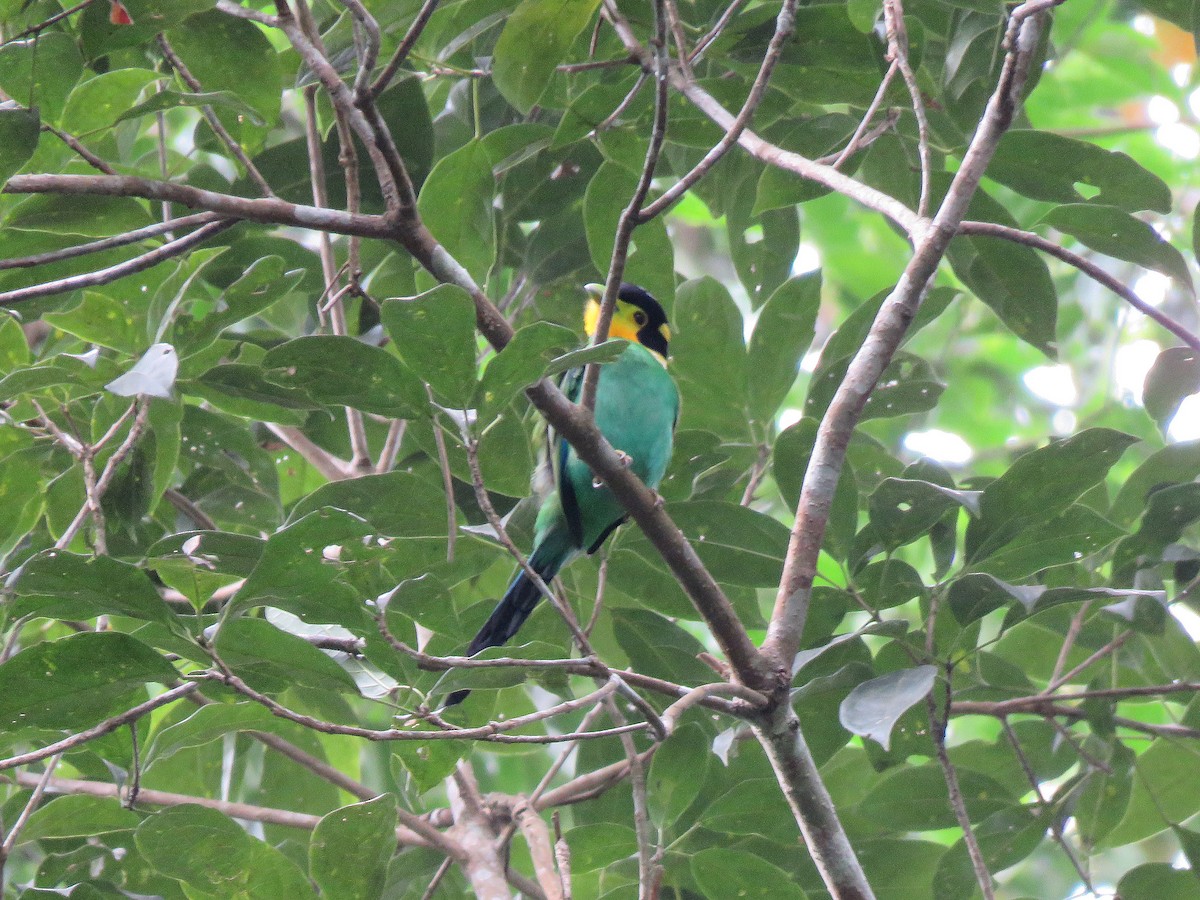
550 555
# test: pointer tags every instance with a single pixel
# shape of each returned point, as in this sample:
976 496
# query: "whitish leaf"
872 709
152 376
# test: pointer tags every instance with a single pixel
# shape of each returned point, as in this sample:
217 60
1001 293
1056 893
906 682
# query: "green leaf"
709 359
1076 534
651 261
456 206
973 596
599 845
1047 166
68 586
435 336
40 73
19 131
1040 485
1174 377
904 509
99 319
1172 464
244 391
908 385
173 99
73 683
677 774
522 362
535 39
79 816
1162 794
94 104
725 872
294 574
82 216
738 545
226 53
1157 881
599 354
272 660
266 281
373 497
1114 232
1013 280
913 798
207 724
342 371
222 860
350 848
782 335
429 762
873 707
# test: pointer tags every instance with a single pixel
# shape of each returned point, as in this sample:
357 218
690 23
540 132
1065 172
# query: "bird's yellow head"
638 317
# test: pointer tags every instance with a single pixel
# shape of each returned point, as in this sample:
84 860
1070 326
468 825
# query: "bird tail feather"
550 555
521 597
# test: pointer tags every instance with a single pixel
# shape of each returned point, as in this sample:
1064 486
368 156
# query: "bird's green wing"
571 384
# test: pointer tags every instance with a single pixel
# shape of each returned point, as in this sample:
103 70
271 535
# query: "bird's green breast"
637 405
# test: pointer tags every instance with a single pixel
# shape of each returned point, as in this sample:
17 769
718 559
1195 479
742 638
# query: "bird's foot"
659 501
625 459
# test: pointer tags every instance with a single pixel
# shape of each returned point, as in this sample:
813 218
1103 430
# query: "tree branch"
891 323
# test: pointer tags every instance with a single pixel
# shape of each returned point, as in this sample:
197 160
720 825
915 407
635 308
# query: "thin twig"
391 446
245 811
897 37
210 116
405 47
1085 265
10 839
721 24
647 878
46 23
493 731
854 143
631 215
937 730
1056 828
785 26
147 260
330 467
109 243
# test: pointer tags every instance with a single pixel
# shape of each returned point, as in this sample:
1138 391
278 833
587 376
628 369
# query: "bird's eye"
639 317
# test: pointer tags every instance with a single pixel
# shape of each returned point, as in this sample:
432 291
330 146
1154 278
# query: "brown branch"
889 328
472 829
856 139
108 726
210 116
897 38
266 210
541 853
332 468
1085 265
10 839
405 47
147 260
87 155
631 214
937 730
785 27
231 8
246 811
118 240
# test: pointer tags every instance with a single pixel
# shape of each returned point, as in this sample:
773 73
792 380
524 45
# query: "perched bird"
637 405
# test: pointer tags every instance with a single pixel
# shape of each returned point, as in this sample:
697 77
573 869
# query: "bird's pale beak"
595 290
